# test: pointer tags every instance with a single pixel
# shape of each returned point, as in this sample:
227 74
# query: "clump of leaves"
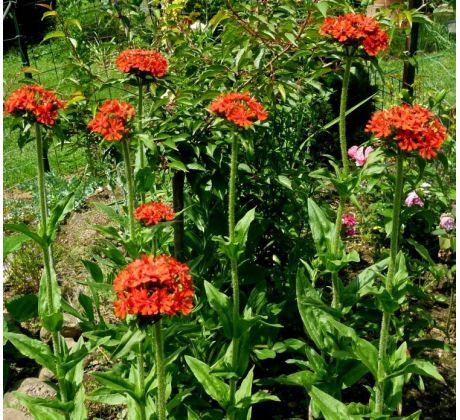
23 269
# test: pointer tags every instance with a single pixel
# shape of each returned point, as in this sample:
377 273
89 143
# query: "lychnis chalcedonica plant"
35 106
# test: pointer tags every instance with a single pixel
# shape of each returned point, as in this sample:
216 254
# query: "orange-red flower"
154 286
239 108
142 62
153 213
356 29
412 127
36 102
111 119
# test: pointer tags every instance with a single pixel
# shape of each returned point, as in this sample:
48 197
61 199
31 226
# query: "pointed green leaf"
214 387
33 349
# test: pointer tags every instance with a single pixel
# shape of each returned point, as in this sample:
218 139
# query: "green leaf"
107 396
53 34
177 164
422 251
220 302
245 387
13 243
420 367
58 213
323 6
242 229
23 308
367 353
49 13
322 229
128 341
22 228
304 378
33 349
214 387
40 411
87 305
285 181
111 213
331 408
94 270
116 383
50 312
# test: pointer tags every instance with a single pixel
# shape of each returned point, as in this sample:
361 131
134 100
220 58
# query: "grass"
435 72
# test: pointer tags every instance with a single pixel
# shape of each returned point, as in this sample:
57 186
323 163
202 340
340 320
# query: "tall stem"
233 261
129 187
47 251
386 318
139 129
345 169
140 370
178 205
160 371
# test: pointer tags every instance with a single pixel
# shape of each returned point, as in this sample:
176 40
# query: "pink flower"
359 154
446 222
349 220
413 199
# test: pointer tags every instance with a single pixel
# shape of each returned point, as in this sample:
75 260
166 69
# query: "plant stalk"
47 251
159 353
178 205
345 168
139 129
130 188
386 318
140 369
233 261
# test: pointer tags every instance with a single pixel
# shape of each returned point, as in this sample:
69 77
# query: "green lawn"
436 71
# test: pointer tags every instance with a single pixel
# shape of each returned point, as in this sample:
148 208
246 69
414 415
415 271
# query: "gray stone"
36 388
30 386
45 335
70 342
13 414
45 374
71 327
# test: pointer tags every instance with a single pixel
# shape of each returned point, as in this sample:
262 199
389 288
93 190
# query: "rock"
13 414
36 388
10 401
70 342
45 374
30 386
71 327
45 335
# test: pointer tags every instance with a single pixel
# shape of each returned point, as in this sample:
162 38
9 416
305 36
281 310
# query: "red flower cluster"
154 286
412 127
110 121
239 108
35 101
153 213
142 62
354 28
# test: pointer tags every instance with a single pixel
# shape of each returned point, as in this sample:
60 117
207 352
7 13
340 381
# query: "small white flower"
197 26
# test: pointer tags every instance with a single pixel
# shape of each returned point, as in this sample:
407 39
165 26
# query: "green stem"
139 129
130 188
47 251
140 370
386 318
160 371
343 152
233 261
